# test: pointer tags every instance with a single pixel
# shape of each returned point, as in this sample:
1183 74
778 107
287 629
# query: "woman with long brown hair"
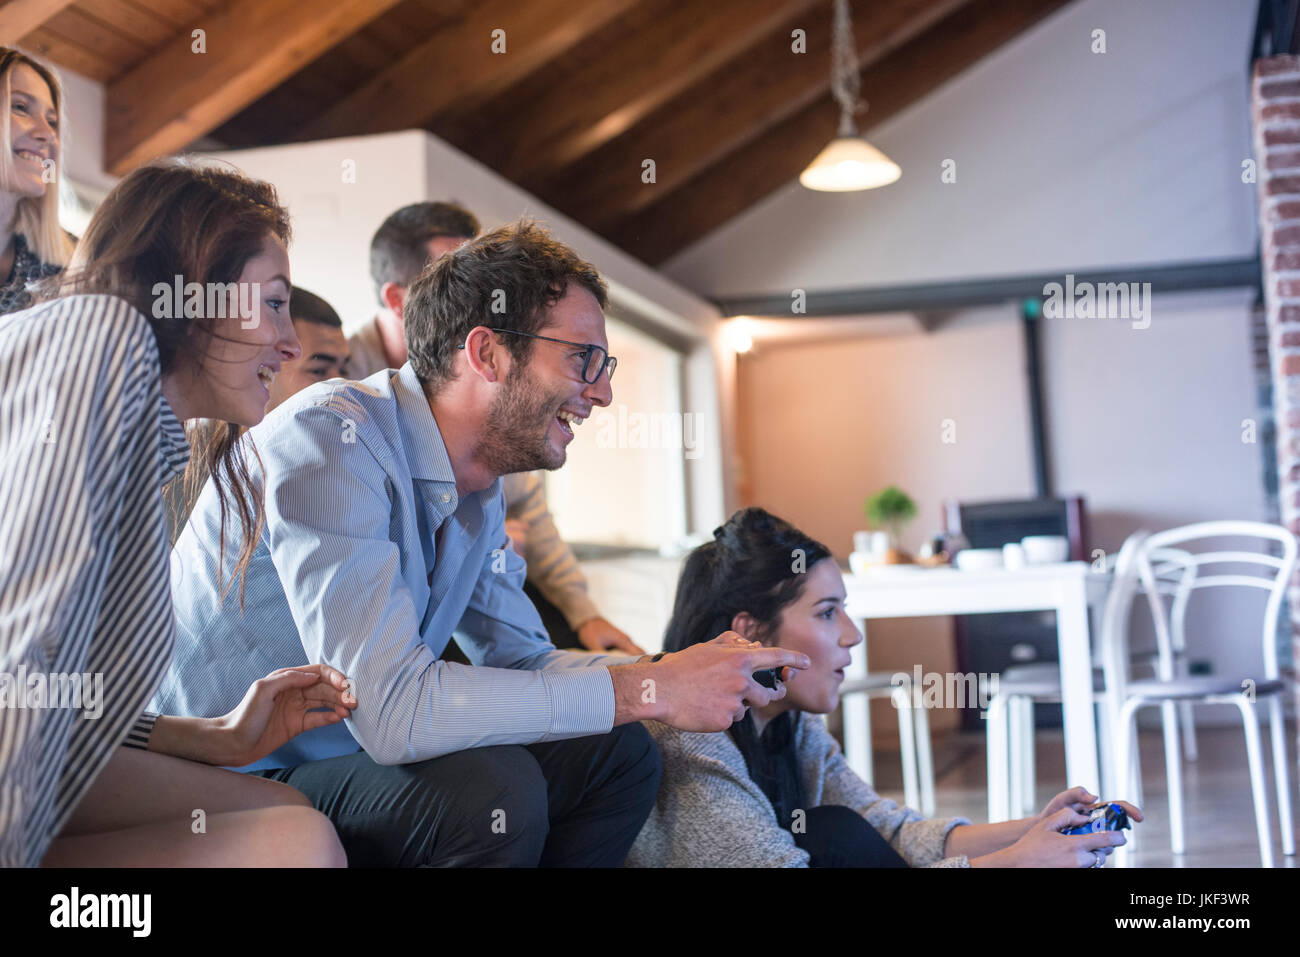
32 245
173 308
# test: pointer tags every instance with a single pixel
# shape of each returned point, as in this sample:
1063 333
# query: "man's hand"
279 707
518 532
706 687
599 635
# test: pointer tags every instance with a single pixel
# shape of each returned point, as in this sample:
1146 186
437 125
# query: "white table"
906 592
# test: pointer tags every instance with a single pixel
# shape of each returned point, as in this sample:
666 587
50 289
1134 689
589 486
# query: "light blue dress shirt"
369 562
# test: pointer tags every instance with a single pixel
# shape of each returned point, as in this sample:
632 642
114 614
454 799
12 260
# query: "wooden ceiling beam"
679 43
456 65
770 161
177 96
760 90
20 17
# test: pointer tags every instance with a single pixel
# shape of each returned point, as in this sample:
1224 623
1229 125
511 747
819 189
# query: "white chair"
913 734
1268 572
1012 783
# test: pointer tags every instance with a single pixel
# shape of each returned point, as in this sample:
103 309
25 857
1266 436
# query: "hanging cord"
844 68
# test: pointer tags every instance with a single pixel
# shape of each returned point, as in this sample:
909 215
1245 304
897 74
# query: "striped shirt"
369 562
86 442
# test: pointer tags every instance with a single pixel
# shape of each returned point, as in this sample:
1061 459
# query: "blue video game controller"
1103 817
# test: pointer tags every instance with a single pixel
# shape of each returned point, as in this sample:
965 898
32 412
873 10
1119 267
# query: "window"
624 480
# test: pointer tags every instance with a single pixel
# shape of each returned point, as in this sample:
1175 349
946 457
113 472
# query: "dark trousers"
574 803
837 836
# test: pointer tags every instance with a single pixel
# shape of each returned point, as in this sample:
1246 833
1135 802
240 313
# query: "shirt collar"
426 454
174 447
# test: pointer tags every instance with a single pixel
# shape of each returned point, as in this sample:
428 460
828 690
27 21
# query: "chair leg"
1173 777
1129 768
1258 790
1135 771
1016 757
1028 800
1189 730
1277 734
924 760
907 746
998 756
1106 752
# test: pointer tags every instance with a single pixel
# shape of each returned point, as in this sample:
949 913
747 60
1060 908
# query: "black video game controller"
768 677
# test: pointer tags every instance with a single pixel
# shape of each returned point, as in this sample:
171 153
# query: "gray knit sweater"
710 813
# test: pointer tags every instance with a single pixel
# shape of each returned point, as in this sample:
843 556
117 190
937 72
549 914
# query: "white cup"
1013 556
879 543
862 542
1045 549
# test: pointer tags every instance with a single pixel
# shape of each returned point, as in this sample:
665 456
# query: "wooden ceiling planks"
18 18
587 91
463 60
737 181
177 95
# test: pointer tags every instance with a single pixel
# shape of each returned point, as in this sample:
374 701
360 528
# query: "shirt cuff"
582 702
138 736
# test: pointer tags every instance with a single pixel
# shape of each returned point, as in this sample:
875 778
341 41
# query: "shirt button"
446 497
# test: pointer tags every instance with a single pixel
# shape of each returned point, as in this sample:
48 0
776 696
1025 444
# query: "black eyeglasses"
594 358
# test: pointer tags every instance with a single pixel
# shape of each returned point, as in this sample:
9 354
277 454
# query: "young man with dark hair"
404 244
325 350
385 533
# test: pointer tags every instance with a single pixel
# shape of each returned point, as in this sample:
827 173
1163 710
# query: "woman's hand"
1043 845
1078 799
276 709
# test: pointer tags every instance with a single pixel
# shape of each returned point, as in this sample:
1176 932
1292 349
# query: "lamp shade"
848 163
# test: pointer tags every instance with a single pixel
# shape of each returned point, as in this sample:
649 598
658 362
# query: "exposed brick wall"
1275 112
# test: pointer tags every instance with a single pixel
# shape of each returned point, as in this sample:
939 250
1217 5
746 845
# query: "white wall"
1147 424
1066 159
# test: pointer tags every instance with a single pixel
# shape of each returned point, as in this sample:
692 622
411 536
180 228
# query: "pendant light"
848 162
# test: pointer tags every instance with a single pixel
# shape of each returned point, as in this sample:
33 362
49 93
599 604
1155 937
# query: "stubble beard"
515 433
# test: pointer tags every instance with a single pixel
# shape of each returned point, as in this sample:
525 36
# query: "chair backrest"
1174 571
1113 634
1264 571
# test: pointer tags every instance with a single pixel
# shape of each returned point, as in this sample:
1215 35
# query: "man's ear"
745 625
394 297
486 356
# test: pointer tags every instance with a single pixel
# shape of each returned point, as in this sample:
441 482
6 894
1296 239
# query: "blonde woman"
32 245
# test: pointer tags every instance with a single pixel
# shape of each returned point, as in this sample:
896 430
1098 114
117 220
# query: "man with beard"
385 534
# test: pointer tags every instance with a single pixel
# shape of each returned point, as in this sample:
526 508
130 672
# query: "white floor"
1219 813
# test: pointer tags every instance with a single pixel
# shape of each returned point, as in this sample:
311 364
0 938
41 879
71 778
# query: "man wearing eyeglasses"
403 245
385 534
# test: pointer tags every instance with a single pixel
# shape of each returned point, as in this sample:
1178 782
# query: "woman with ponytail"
774 790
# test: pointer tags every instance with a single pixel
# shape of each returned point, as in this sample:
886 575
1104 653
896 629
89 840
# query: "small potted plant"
891 509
